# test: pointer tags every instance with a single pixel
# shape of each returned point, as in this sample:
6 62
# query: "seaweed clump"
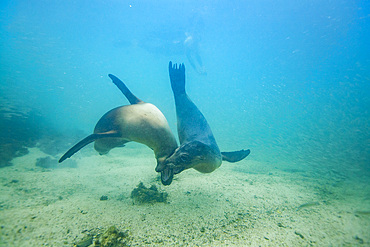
110 238
142 194
113 238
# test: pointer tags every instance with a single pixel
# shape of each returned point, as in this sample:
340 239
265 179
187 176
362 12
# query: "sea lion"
139 122
198 148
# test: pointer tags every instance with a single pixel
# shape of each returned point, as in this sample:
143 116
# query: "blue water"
289 80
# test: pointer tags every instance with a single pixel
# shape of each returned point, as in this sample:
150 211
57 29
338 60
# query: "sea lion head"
166 171
193 154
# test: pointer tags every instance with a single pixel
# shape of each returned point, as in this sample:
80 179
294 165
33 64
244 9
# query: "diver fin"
177 78
85 141
235 156
130 96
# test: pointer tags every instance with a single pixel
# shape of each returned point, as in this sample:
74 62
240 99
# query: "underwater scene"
184 123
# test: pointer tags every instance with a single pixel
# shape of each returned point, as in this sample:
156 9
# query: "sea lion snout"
167 176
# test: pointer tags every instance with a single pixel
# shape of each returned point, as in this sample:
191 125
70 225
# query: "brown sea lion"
139 122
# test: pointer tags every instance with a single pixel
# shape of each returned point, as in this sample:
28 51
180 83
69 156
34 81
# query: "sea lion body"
143 123
195 137
198 148
139 122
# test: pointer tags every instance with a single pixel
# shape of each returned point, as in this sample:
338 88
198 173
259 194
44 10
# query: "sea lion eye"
184 158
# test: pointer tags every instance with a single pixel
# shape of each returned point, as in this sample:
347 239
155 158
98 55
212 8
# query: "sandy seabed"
243 204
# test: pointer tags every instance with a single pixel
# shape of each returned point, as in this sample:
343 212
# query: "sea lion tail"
177 78
130 96
235 156
84 142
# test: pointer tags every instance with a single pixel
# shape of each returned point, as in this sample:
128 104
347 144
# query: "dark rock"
299 234
27 128
359 240
9 150
280 225
103 198
23 129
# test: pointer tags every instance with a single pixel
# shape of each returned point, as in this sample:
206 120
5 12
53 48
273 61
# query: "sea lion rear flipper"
130 96
85 141
177 78
235 156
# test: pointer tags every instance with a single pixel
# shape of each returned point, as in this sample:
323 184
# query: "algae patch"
110 238
142 194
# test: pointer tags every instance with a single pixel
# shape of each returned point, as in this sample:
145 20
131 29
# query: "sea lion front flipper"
85 141
235 156
130 96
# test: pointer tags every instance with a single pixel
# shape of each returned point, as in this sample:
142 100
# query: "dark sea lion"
198 148
139 122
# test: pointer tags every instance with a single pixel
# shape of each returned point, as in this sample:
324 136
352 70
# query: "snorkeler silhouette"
192 52
172 41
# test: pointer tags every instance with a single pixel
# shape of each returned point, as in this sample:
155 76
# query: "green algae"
141 194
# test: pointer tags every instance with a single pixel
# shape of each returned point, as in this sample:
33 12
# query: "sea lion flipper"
235 156
177 78
85 141
129 95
